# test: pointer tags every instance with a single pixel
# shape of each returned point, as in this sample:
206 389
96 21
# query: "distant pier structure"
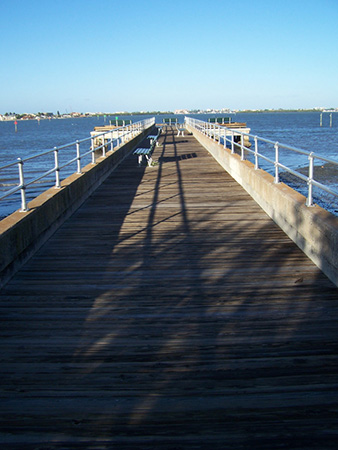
234 128
321 117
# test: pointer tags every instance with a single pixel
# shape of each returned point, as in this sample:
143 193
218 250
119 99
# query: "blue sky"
107 55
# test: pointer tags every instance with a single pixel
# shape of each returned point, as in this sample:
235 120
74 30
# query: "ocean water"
299 130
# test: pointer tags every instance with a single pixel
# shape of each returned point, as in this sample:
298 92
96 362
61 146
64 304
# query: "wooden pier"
169 312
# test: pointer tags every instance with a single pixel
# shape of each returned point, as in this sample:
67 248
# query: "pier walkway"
169 312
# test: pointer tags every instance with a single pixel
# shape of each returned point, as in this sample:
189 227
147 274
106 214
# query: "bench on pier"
153 139
170 121
147 152
120 122
180 130
219 120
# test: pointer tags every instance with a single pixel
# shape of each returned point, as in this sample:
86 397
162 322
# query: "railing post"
92 147
309 200
78 157
224 140
242 148
111 142
23 187
256 152
103 146
215 132
57 168
276 163
232 142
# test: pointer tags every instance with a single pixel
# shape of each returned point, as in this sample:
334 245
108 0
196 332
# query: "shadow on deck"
169 312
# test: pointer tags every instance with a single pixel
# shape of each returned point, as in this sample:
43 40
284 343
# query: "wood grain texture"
169 312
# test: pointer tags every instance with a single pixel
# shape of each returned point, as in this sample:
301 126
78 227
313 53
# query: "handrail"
216 132
113 138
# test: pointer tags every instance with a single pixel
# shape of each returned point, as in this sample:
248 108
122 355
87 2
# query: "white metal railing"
224 135
111 140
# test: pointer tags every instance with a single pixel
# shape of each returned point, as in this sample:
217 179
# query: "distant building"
7 117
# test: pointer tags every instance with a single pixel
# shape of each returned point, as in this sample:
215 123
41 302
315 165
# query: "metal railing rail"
113 138
216 133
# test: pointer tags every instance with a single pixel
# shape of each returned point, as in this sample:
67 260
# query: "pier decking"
169 312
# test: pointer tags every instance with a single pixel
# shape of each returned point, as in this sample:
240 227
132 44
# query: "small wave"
43 181
7 184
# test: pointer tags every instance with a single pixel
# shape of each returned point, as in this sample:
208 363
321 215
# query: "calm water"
300 130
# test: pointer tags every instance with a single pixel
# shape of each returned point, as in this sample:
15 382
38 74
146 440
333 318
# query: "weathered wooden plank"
169 312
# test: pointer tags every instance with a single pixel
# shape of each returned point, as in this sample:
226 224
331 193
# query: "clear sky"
107 55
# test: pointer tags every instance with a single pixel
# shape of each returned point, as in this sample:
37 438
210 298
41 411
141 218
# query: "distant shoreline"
285 111
157 113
